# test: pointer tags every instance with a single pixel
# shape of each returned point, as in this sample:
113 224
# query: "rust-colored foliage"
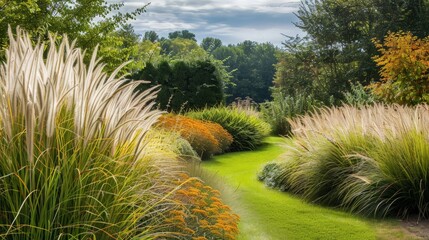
404 63
205 137
223 137
201 213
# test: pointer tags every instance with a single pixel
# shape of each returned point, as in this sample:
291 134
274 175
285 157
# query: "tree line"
232 71
337 54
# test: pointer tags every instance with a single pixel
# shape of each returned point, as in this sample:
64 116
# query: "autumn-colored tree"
404 69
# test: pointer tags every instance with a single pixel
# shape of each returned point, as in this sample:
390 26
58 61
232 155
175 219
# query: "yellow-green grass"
270 214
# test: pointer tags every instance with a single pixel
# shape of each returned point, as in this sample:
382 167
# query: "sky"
232 21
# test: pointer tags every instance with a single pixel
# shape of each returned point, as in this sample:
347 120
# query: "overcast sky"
232 21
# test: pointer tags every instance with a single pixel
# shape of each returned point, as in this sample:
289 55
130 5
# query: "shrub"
372 160
246 130
269 175
283 107
224 139
205 138
404 69
359 96
76 159
201 214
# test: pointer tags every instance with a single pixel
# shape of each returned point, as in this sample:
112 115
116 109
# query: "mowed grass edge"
270 214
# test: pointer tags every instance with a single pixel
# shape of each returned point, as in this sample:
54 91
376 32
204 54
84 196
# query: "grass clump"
206 138
78 159
284 107
247 131
370 160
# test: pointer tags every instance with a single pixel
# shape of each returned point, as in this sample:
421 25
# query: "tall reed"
76 161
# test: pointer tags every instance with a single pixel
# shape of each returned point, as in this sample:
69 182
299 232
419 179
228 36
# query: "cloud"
230 20
277 6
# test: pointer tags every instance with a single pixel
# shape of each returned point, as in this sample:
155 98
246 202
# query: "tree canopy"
252 66
339 45
185 34
91 22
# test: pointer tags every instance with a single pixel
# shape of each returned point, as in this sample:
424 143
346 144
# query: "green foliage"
270 176
184 85
149 51
78 160
248 131
151 36
285 107
92 23
184 34
178 46
404 64
338 49
121 46
307 68
359 96
372 160
210 44
252 67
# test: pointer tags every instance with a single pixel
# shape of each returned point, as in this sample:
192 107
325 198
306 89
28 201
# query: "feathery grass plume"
247 131
372 160
76 161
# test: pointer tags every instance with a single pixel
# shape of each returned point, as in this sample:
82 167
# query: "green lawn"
270 214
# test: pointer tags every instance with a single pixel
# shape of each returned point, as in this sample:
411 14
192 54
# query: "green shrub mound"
77 161
373 161
247 130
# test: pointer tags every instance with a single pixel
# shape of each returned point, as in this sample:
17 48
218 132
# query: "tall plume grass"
76 161
371 160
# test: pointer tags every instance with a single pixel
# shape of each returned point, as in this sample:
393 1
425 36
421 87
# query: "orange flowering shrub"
201 214
205 138
404 69
223 137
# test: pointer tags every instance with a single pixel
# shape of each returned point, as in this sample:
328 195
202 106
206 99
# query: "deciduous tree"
404 63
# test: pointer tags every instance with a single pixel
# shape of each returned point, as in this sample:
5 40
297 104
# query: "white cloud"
275 6
156 25
230 20
240 34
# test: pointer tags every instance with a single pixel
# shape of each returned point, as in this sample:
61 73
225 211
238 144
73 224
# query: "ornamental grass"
372 160
76 161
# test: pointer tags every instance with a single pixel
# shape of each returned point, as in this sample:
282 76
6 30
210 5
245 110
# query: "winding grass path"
270 214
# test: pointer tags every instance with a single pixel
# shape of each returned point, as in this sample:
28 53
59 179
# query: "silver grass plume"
35 90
